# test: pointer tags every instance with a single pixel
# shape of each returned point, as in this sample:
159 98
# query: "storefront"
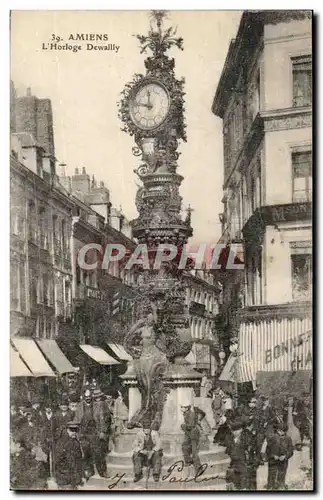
275 346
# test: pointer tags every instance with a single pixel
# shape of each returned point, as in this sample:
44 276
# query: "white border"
4 184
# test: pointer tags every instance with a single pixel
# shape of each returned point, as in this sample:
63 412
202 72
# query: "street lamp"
234 349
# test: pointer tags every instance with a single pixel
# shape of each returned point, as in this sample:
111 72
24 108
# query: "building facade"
54 302
40 229
99 295
266 108
202 297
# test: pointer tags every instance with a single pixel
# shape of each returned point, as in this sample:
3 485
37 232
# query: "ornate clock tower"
152 111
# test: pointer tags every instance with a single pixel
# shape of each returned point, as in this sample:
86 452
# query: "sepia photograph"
161 250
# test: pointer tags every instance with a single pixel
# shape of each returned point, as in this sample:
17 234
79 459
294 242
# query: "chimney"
81 182
28 93
64 179
62 169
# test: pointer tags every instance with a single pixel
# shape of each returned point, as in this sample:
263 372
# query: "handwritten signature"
171 475
116 478
179 466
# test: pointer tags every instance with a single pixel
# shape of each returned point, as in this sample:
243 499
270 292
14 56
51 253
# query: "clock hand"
149 105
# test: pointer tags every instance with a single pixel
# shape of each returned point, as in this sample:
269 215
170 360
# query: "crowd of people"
261 431
70 441
64 442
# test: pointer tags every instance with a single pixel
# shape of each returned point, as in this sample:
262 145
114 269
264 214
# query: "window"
256 96
32 226
39 163
302 81
14 286
50 291
22 286
254 279
253 194
63 235
45 290
33 283
42 228
302 176
301 276
54 224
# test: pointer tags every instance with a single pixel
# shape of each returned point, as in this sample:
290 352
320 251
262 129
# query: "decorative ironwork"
162 326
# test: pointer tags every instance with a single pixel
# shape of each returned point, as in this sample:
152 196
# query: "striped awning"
273 346
33 357
99 355
17 366
120 352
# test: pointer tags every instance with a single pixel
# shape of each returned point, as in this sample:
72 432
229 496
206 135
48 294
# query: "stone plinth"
205 404
180 379
134 396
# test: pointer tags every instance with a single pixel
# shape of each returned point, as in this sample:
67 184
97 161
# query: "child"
279 451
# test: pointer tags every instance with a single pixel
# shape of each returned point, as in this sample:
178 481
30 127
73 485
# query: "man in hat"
252 453
69 459
191 428
266 417
37 412
147 452
87 433
301 416
237 445
28 431
49 433
279 451
21 414
63 416
93 435
75 407
100 444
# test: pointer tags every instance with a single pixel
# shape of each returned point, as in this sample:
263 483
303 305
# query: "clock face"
149 106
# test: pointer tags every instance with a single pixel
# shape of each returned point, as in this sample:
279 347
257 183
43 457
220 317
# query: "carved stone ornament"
286 122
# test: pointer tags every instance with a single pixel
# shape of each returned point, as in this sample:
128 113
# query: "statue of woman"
149 368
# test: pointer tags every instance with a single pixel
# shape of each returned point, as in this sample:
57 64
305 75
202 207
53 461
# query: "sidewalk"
296 478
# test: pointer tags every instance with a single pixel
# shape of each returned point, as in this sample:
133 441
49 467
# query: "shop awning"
274 346
17 366
33 357
98 354
120 352
55 356
228 372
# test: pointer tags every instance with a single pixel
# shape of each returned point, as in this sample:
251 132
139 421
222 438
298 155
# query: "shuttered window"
302 81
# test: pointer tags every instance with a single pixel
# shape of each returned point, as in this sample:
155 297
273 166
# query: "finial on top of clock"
159 41
158 16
